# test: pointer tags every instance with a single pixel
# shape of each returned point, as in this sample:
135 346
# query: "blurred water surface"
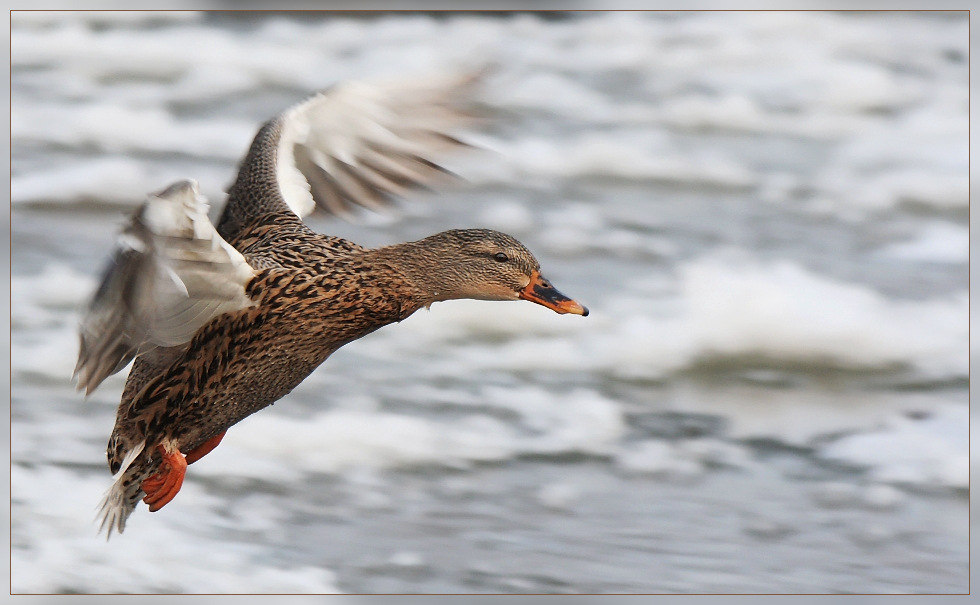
765 212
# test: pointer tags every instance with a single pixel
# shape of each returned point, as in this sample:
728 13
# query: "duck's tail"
121 498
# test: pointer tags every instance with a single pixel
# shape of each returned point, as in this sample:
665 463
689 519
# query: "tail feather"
121 498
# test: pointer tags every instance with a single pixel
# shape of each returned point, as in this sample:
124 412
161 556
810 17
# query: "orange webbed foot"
204 449
164 485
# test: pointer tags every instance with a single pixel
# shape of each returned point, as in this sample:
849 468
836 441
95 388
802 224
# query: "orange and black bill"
540 291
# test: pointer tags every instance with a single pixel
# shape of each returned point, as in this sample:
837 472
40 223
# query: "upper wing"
366 143
170 274
353 144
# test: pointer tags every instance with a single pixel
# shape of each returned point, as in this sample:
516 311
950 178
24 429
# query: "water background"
767 214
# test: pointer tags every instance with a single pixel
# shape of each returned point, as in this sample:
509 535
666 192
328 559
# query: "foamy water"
765 212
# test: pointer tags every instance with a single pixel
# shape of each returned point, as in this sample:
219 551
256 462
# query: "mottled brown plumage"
304 296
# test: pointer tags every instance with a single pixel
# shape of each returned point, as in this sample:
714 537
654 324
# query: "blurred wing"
170 274
365 144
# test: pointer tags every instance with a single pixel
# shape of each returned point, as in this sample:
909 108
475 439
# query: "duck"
222 320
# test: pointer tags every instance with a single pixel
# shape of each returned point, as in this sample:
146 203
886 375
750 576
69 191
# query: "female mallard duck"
223 322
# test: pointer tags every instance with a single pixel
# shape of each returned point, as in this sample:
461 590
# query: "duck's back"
255 191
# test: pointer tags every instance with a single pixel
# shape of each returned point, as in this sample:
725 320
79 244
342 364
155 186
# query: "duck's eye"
500 257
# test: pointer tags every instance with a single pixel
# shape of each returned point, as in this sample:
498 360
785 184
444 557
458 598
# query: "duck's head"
485 265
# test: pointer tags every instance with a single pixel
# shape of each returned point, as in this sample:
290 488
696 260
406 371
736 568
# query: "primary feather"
362 144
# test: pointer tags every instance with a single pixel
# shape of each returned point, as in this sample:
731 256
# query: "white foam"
337 441
112 180
580 421
106 180
930 451
685 459
559 496
115 127
40 303
56 549
352 438
628 155
882 497
786 312
921 157
407 559
59 438
49 353
656 457
736 111
741 112
819 76
57 286
44 320
551 92
723 307
577 228
938 242
509 216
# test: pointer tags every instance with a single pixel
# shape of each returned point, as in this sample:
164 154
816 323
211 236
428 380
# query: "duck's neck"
428 265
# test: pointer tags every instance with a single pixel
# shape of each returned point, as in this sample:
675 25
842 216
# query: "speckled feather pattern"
314 293
244 361
255 191
311 295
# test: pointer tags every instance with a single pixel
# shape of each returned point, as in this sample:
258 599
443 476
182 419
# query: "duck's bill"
540 291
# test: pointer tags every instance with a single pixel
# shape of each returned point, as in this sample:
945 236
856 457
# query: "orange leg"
204 449
164 485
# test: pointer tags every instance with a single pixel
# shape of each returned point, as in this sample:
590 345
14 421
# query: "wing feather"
360 144
170 274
